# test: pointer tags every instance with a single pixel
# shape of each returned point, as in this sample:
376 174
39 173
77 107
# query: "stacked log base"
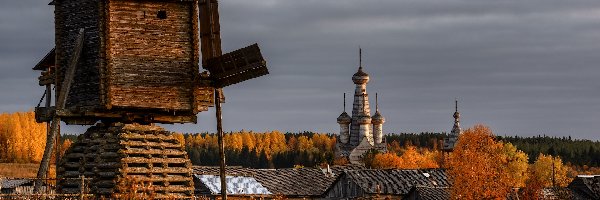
118 158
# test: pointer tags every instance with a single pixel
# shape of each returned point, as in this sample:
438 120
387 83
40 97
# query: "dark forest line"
286 152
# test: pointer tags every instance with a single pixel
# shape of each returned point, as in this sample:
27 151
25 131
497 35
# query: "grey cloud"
522 67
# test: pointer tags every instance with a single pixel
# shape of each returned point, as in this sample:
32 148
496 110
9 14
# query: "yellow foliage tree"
305 144
22 139
542 170
179 137
65 145
249 141
277 143
517 165
233 141
322 142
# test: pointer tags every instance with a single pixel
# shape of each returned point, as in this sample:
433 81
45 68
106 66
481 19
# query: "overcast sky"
522 67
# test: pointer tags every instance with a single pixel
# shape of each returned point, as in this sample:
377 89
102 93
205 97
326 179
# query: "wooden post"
210 48
82 187
48 104
60 104
221 144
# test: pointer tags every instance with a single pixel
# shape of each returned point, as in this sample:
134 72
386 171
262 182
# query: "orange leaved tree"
411 158
478 166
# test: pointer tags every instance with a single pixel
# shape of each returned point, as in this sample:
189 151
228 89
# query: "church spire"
344 102
376 103
359 58
344 120
377 121
456 128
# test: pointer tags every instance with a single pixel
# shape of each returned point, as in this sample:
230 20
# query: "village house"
384 183
585 187
338 182
291 183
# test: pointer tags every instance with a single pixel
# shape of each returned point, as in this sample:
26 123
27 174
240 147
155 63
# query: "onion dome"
360 77
377 118
344 118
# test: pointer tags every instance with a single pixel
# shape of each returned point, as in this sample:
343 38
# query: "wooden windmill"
137 62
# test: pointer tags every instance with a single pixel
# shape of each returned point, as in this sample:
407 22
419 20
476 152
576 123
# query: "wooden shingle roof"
397 182
586 186
431 193
295 182
299 182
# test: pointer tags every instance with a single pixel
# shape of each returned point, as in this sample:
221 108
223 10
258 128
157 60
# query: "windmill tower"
124 65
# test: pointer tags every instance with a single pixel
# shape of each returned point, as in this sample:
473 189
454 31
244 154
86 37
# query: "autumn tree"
411 158
533 188
547 168
478 168
65 145
394 146
517 165
305 144
22 139
386 161
341 161
179 137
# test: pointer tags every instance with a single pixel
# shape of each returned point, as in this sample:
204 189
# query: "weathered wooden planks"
133 60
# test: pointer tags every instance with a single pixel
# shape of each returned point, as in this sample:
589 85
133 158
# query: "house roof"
12 183
586 186
47 61
289 181
339 169
431 193
397 182
230 170
236 185
296 182
314 182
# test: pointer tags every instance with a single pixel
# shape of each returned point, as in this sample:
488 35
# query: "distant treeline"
23 140
262 150
574 151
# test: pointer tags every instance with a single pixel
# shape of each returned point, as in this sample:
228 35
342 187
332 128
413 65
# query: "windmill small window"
161 14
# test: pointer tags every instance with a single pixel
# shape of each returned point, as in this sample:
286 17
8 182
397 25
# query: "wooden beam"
60 104
66 85
88 116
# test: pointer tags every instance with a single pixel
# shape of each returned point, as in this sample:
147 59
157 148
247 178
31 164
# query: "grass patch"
23 170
